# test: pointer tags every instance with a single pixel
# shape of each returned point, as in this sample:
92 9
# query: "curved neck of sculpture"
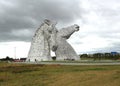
66 32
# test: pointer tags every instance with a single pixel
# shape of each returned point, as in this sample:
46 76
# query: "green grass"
12 74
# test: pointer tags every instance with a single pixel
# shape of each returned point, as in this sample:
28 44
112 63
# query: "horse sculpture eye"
76 26
50 31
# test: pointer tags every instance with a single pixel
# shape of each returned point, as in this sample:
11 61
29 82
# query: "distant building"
16 60
20 60
23 59
114 53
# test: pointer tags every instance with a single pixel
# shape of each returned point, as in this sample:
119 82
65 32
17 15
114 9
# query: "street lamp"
15 52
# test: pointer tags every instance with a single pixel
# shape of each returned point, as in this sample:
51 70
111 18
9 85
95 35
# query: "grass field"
58 75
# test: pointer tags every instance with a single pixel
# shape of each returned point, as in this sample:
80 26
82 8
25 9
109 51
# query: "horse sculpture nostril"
77 26
77 29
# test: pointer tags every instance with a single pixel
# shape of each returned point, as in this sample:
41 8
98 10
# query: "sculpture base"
34 59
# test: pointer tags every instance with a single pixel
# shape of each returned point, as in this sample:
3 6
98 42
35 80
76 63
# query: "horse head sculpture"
42 42
68 31
64 50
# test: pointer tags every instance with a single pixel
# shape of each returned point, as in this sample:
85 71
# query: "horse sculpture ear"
48 22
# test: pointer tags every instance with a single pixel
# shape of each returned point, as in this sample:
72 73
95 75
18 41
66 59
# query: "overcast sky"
99 22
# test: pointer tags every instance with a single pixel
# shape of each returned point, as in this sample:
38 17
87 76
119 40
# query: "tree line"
101 56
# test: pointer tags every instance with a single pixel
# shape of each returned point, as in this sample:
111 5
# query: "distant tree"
107 55
8 58
97 56
116 57
83 55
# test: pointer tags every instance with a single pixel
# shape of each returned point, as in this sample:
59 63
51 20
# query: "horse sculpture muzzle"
76 27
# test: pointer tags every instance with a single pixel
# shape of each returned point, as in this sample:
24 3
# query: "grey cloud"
28 14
